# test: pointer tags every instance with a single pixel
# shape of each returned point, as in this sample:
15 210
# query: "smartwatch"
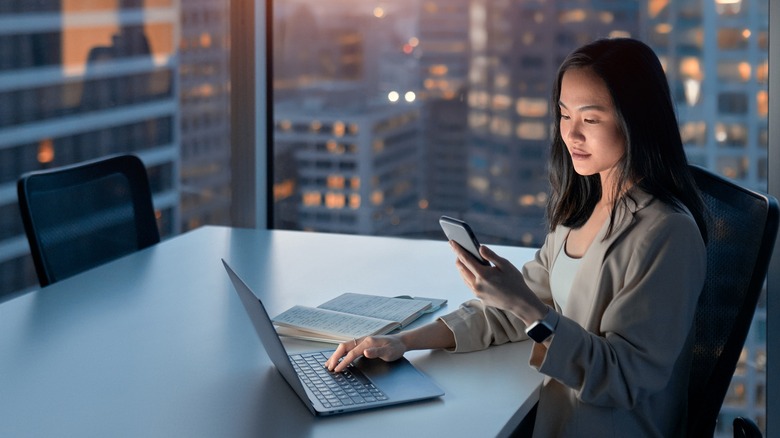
542 329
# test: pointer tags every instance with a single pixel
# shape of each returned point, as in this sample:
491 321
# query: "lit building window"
731 135
731 39
46 151
339 129
654 7
478 183
527 200
438 70
532 130
690 67
335 200
728 7
762 72
501 102
335 147
733 167
377 198
694 133
573 16
501 126
734 71
354 201
531 107
762 103
335 182
312 199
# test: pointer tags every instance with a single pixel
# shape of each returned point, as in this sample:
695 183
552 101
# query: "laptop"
366 384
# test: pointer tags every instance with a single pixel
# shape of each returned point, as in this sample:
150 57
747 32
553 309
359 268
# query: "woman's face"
589 125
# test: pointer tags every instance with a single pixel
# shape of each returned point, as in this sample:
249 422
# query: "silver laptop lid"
265 329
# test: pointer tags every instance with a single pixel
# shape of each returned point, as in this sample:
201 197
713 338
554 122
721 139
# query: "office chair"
741 227
746 428
79 216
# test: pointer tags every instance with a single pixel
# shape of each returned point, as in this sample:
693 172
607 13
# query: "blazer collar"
636 200
594 257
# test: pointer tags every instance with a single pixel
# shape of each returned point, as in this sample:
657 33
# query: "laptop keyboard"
334 389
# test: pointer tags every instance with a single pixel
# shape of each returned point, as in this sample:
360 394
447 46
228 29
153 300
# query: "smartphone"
461 233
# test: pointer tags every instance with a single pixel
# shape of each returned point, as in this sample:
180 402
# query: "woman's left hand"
501 285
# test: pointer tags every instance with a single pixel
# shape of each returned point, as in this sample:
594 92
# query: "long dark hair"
654 159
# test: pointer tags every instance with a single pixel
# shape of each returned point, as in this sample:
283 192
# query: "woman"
609 299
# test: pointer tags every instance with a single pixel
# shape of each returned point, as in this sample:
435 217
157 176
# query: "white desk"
158 344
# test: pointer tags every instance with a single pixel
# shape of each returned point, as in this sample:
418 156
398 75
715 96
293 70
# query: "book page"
342 325
387 308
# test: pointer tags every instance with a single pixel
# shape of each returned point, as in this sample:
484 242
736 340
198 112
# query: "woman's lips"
579 155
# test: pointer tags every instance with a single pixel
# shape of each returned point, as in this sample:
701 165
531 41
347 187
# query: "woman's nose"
573 134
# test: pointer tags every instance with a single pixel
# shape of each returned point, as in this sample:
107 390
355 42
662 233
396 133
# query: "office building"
444 62
347 123
344 164
80 80
204 83
719 83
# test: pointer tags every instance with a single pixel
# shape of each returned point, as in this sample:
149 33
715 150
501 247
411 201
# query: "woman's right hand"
387 348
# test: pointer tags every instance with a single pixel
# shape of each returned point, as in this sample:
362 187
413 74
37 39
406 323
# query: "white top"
562 276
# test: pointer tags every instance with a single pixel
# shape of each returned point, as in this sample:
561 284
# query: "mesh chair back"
80 216
741 226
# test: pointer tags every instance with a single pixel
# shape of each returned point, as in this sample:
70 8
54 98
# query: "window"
478 146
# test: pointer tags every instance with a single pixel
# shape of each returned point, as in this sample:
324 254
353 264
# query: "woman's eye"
565 117
591 121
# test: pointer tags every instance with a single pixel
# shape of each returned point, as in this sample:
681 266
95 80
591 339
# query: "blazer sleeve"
477 326
643 328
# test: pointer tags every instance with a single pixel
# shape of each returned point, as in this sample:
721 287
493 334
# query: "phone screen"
461 233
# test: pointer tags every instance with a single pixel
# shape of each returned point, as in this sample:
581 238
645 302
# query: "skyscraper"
204 75
444 62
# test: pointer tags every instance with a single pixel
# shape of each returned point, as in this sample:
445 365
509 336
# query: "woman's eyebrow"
594 107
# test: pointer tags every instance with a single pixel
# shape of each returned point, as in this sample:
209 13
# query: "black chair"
742 226
80 216
745 428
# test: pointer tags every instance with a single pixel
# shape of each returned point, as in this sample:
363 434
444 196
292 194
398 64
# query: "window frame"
251 113
773 186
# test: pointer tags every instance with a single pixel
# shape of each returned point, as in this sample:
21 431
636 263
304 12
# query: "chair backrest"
741 228
80 216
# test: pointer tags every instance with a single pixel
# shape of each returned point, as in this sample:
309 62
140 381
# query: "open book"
350 316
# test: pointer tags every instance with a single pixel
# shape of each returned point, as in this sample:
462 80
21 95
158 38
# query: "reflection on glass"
83 79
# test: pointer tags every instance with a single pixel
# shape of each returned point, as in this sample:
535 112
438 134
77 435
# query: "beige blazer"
619 361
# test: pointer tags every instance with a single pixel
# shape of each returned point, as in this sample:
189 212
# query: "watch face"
539 331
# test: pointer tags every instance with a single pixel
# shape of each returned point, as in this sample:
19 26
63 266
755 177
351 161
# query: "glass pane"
450 104
83 79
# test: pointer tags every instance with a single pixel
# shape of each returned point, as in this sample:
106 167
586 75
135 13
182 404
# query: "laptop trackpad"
398 379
